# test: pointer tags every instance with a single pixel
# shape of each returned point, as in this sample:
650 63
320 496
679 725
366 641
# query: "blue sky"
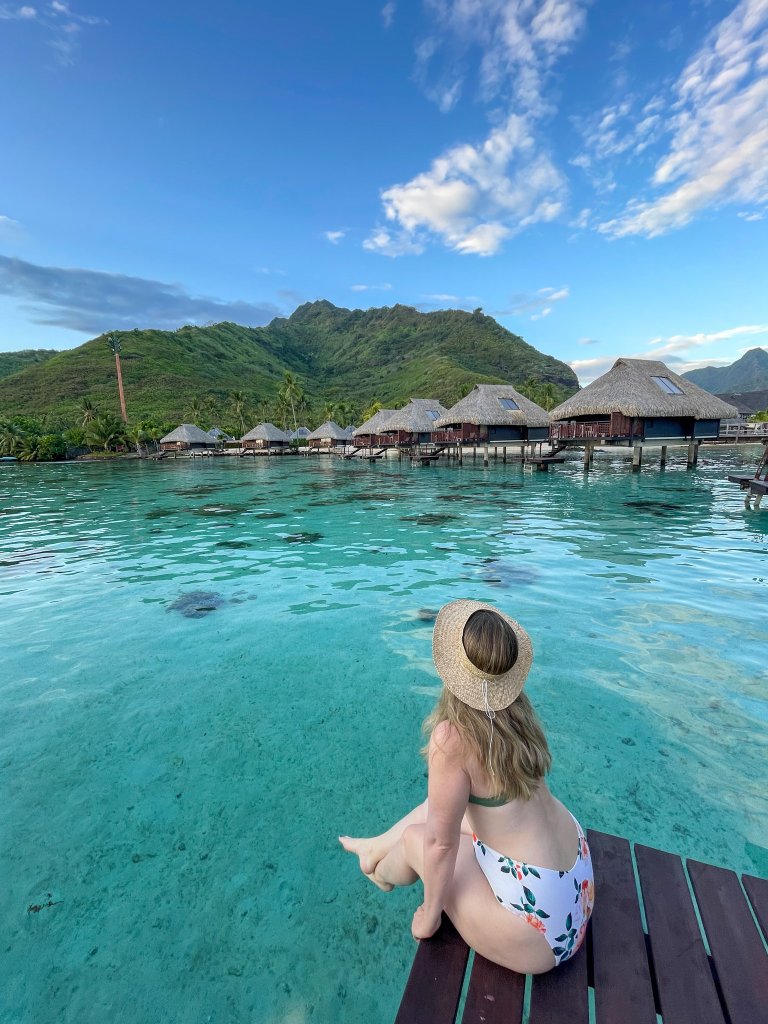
593 175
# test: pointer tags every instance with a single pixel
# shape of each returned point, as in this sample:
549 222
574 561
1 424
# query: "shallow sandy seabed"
177 768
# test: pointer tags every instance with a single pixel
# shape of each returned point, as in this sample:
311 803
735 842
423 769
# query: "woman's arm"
448 793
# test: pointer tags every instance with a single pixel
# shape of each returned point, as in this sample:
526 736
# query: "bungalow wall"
681 428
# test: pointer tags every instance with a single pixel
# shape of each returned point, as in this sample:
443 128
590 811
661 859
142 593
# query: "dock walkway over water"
644 955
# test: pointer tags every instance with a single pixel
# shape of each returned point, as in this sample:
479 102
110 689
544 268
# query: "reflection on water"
211 670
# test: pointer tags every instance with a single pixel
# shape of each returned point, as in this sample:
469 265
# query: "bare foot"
369 856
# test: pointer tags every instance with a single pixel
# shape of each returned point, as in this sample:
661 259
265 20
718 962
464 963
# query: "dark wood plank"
686 988
734 941
757 890
495 995
561 996
436 979
623 989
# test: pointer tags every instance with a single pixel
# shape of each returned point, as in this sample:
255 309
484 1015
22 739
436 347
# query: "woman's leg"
372 850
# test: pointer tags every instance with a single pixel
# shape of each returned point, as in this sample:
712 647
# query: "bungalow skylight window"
433 415
667 385
508 403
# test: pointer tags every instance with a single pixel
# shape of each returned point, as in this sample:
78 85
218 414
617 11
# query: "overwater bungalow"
639 402
300 434
328 435
264 438
187 437
493 414
413 424
364 436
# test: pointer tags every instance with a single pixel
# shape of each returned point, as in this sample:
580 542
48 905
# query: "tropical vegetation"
322 362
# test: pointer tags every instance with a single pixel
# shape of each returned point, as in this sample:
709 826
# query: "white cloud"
474 197
677 350
59 23
334 237
388 13
371 287
7 224
387 243
587 341
755 215
477 195
719 147
519 42
539 304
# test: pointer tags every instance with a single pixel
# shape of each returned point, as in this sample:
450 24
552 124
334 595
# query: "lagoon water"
211 668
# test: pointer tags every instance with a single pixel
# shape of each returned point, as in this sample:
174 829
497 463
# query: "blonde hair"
512 748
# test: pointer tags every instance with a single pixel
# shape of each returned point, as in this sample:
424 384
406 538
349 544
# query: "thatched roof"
420 416
485 405
326 430
267 432
188 433
300 432
371 426
629 387
220 435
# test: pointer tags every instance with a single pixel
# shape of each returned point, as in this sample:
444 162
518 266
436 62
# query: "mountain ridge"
749 373
389 354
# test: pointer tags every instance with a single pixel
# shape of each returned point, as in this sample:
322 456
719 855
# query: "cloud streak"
92 301
718 152
60 23
476 196
678 350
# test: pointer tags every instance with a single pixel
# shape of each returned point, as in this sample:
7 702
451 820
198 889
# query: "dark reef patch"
302 538
269 515
196 604
428 519
160 513
236 544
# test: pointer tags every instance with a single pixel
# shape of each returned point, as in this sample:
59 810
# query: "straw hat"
464 679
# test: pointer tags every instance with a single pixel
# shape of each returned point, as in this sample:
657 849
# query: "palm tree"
11 439
115 343
548 396
291 393
106 430
329 410
237 401
136 435
530 389
372 409
29 449
196 409
88 411
345 411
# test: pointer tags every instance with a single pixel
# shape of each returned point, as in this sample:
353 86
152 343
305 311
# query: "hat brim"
458 673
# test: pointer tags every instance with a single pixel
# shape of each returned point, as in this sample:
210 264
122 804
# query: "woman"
503 857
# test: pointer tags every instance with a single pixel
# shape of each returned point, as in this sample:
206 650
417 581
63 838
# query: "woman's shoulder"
447 738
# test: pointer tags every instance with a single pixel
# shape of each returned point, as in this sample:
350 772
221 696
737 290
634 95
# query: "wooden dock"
630 972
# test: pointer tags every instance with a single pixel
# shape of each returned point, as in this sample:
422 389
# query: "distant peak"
312 309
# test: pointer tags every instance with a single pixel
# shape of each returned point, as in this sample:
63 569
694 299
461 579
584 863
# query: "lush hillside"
13 362
389 354
750 373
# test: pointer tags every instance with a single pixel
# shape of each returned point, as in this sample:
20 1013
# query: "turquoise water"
175 769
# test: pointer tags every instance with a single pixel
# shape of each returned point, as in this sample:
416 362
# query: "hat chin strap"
490 715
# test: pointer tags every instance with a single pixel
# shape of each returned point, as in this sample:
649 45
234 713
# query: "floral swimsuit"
556 903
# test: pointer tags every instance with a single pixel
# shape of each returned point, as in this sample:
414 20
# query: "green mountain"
750 373
389 354
13 362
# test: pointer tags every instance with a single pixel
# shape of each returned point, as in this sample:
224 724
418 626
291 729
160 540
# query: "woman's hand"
424 927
